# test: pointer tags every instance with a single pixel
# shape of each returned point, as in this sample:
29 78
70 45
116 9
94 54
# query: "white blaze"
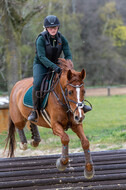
78 100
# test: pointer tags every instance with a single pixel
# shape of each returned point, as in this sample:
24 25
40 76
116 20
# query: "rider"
49 46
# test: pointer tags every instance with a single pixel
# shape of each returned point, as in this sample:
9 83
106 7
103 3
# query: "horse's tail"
10 140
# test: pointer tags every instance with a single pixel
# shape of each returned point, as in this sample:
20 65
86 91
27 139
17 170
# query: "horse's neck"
61 88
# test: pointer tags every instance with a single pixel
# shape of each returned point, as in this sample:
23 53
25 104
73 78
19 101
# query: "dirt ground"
106 91
39 152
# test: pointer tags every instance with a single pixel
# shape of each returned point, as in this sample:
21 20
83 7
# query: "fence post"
108 90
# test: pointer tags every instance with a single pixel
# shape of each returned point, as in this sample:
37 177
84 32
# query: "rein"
54 84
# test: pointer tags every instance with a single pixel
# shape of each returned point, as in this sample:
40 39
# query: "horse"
64 109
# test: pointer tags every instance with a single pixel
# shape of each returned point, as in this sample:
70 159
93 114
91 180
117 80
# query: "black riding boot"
33 115
86 108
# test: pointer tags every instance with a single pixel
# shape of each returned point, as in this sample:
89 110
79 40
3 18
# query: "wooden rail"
39 172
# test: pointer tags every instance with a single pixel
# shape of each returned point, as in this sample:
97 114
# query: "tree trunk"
49 7
13 57
73 34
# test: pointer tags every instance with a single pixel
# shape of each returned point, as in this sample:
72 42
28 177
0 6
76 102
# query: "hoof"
89 171
60 166
23 146
34 143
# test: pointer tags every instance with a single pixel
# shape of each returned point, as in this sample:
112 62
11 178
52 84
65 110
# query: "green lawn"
107 121
104 125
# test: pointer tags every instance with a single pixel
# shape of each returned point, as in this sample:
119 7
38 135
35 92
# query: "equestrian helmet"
51 21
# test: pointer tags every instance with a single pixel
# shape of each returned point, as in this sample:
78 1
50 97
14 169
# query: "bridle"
65 96
66 105
78 104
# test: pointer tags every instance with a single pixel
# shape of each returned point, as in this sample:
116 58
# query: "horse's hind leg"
35 135
23 144
89 169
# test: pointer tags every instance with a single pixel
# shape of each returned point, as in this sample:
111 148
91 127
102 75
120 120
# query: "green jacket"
41 58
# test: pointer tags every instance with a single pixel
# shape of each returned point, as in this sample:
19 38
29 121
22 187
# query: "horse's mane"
65 65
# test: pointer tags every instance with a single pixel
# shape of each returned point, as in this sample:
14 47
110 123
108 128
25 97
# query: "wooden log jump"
40 172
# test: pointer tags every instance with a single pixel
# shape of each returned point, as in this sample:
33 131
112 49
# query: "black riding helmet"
51 21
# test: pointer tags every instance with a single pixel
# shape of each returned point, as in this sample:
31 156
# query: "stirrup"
33 116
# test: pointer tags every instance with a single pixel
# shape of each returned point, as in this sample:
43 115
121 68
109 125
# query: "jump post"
40 172
4 110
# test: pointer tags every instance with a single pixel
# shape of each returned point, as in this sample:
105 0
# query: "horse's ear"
83 74
69 74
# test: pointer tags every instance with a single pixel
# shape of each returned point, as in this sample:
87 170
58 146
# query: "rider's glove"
58 70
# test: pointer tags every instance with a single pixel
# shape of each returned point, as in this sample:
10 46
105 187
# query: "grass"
107 119
104 125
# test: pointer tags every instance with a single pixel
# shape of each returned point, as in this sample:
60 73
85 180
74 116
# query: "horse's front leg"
89 169
62 162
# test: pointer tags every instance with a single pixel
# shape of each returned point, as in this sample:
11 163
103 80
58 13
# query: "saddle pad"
28 96
28 99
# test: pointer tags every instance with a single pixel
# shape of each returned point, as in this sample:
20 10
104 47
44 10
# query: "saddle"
44 92
45 86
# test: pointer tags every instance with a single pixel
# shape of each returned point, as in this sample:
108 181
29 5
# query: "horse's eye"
70 92
83 91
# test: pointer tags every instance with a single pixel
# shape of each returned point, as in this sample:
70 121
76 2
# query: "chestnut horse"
64 108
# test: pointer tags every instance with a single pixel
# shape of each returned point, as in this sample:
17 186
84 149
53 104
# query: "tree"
95 30
114 28
119 35
14 22
103 61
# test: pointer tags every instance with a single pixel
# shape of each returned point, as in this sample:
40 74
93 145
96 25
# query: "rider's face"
52 30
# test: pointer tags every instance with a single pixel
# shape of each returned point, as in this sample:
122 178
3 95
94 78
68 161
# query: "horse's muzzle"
78 119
